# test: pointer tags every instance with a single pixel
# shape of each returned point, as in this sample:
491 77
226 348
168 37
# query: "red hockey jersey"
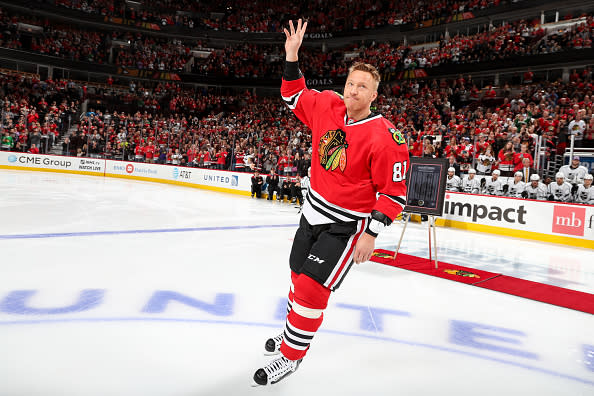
356 167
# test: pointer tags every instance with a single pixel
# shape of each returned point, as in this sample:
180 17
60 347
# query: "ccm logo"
569 220
315 259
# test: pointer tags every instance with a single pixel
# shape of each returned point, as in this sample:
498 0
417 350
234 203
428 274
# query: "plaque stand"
431 226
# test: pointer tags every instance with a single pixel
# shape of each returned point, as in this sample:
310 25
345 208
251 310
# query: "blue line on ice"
154 231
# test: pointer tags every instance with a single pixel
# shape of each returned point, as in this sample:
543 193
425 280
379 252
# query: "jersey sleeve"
389 164
300 99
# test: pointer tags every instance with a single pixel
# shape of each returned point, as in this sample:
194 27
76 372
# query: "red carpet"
554 295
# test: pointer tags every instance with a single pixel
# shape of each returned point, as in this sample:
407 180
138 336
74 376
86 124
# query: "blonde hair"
366 67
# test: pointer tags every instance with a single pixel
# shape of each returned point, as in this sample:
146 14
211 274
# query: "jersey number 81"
399 172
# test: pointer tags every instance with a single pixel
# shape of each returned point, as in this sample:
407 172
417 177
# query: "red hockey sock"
291 293
299 329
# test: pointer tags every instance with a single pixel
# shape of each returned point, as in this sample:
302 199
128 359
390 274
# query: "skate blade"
271 353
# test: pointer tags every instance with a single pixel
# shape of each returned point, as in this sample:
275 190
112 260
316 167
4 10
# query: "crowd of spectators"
513 40
150 53
248 60
448 119
270 16
34 112
202 127
520 38
64 41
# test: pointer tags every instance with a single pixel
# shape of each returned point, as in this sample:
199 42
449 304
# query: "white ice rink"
114 287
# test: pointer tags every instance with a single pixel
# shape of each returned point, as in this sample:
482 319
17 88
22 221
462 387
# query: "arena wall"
568 224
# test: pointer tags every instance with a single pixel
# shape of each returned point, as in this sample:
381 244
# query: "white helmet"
518 174
535 177
471 170
588 177
451 169
559 175
497 172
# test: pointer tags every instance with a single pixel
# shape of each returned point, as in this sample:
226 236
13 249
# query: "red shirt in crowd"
518 157
221 157
149 151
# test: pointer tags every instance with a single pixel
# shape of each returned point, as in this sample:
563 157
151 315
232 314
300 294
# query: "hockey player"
574 173
515 186
585 192
305 183
471 184
492 185
560 190
453 182
535 189
357 187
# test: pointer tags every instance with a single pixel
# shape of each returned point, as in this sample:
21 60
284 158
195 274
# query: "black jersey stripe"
322 212
331 209
292 100
395 198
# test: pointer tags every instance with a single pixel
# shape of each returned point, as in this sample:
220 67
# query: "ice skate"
275 371
272 346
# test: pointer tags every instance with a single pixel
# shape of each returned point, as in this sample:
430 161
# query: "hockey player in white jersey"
453 182
585 192
515 186
471 184
492 185
535 189
574 173
560 190
305 183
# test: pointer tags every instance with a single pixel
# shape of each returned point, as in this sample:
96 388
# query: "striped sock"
301 327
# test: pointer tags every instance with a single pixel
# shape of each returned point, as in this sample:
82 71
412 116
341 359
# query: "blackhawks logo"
461 273
382 255
332 150
397 136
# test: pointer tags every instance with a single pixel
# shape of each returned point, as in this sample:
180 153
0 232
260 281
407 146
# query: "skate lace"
278 340
277 368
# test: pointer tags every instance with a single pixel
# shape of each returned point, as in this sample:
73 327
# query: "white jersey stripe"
395 201
292 100
362 121
336 207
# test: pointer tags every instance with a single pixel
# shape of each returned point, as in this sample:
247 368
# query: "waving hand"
294 39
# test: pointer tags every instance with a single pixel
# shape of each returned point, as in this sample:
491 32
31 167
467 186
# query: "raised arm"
294 40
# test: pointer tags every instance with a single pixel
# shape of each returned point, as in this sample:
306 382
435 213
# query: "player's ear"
374 96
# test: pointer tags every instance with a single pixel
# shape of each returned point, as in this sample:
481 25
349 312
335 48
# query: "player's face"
495 176
359 91
471 176
575 163
587 183
451 174
517 178
534 183
560 180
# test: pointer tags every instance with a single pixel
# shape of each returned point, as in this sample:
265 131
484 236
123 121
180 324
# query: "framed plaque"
426 185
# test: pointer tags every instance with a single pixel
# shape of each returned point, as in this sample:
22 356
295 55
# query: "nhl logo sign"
129 168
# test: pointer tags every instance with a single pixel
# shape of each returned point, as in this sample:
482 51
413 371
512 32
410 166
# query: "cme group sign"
40 160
